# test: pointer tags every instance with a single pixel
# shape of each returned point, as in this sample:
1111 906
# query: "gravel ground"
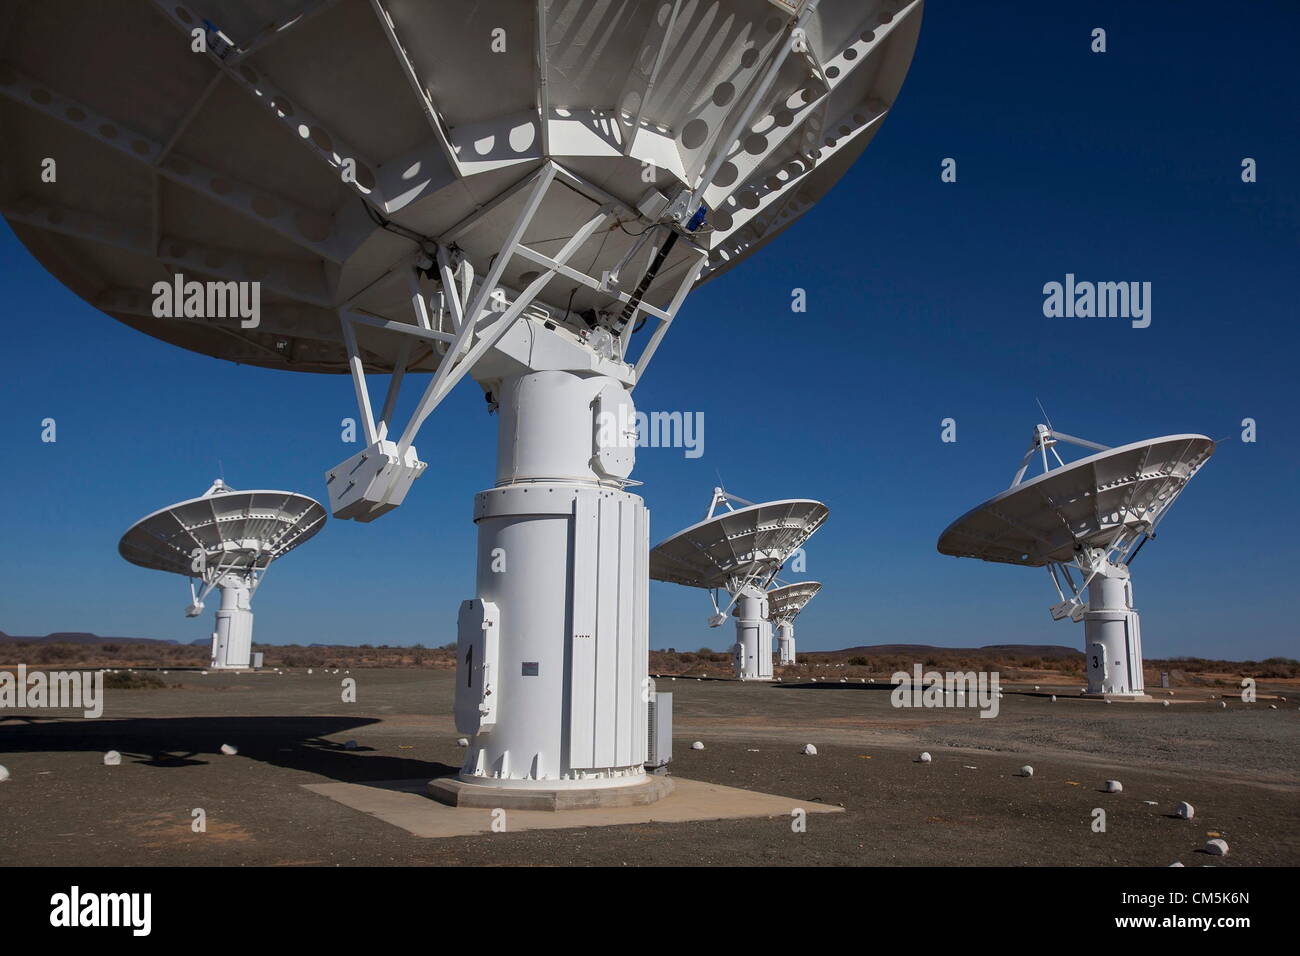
1237 766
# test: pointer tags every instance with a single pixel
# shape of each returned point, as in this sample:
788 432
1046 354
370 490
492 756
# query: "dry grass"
702 663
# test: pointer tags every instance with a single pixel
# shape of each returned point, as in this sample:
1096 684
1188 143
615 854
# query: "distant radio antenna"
740 551
224 540
1085 522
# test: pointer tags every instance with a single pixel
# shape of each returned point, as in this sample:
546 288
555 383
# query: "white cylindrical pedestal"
785 642
551 679
232 641
1113 636
752 652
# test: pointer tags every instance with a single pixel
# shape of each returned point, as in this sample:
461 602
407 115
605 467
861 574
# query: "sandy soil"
1239 766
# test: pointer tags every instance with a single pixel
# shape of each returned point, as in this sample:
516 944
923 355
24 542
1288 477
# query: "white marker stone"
1114 786
462 742
925 757
1053 698
698 745
4 773
1026 771
112 759
1165 703
309 670
228 750
1223 704
1185 810
1175 864
1216 847
809 750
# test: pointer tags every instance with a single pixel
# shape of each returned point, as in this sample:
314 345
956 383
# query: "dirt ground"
1239 766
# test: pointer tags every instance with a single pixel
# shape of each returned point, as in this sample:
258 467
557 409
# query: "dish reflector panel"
237 530
1088 503
785 603
737 543
314 147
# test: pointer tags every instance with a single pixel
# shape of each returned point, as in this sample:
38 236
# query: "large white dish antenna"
225 539
1091 518
785 603
783 606
523 192
740 551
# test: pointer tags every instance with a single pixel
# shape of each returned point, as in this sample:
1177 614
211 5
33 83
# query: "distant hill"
915 650
84 637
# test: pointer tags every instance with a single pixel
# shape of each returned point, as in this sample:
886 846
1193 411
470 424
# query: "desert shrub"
124 681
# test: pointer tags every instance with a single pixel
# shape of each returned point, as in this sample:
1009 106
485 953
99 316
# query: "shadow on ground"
296 743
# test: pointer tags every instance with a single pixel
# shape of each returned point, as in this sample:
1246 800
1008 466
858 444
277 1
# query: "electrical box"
372 482
256 660
659 727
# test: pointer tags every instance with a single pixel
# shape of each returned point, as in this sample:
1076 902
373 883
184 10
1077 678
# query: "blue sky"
924 302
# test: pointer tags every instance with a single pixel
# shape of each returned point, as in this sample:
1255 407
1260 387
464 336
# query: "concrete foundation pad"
458 793
406 804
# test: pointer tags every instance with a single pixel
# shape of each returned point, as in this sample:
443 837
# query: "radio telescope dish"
740 551
224 539
783 606
1093 516
523 193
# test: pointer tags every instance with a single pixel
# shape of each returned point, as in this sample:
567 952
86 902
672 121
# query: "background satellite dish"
1092 516
522 192
225 539
783 606
740 551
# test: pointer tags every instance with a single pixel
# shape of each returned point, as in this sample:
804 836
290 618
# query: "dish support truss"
552 651
1112 630
475 321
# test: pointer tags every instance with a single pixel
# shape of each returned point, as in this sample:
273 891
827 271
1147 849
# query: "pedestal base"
458 793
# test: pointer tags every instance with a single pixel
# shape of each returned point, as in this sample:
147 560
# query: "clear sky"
924 302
